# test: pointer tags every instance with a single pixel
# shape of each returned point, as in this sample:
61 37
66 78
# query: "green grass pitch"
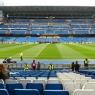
48 51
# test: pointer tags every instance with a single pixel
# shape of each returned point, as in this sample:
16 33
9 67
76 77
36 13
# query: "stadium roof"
48 10
49 2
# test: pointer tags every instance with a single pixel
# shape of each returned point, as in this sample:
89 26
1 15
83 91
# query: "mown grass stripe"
67 52
50 52
84 50
13 51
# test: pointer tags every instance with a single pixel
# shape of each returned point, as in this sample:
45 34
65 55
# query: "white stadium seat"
53 81
84 92
24 82
11 81
1 81
89 85
40 81
72 86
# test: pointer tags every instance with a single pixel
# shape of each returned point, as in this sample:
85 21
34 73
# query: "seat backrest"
91 80
84 92
11 87
53 87
11 81
24 82
37 86
56 92
2 86
3 92
89 85
72 86
1 81
66 81
53 81
26 92
39 81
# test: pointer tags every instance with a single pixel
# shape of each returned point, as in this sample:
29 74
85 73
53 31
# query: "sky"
48 2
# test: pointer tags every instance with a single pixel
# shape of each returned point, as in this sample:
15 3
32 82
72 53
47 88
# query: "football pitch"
48 51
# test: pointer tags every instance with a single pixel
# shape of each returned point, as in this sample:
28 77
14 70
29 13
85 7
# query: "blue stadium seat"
56 92
53 87
11 87
38 86
3 92
2 86
26 92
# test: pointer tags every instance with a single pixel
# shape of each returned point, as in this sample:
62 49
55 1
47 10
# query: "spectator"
86 63
73 66
4 74
51 67
33 65
26 67
38 66
77 67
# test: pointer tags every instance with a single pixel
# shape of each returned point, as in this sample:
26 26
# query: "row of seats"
56 31
37 86
34 92
31 73
35 39
24 82
73 81
47 92
88 73
59 27
70 82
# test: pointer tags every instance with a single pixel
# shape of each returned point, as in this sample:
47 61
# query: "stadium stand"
40 25
66 86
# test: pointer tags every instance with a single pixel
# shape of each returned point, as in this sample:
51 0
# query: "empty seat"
11 87
53 81
84 92
40 81
1 81
2 86
72 86
31 78
53 87
3 92
81 81
19 78
42 78
91 80
89 85
24 82
26 92
11 81
56 92
37 86
67 80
